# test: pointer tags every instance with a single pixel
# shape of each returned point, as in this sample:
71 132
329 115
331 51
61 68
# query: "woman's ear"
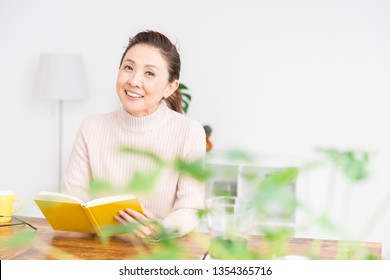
171 88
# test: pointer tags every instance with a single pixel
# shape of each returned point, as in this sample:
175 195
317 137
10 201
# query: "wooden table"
50 244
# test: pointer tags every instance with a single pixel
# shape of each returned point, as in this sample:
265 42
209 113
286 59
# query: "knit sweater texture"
96 155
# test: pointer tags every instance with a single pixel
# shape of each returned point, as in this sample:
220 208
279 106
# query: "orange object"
209 145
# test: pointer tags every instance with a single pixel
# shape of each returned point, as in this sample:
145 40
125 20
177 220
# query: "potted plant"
186 97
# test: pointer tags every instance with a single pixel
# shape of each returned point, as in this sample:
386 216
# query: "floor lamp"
61 78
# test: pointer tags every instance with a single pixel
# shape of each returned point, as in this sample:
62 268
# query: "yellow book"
69 213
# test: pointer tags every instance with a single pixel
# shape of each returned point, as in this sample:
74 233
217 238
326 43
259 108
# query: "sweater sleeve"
78 173
190 192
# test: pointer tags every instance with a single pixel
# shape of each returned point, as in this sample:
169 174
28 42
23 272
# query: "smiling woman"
150 119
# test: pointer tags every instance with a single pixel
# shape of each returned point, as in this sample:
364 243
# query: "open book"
68 213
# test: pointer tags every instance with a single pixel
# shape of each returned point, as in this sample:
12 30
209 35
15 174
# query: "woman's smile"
133 95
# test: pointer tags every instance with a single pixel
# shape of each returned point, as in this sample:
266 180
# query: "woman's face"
143 80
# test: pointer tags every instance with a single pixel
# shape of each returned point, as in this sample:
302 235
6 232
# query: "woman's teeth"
133 94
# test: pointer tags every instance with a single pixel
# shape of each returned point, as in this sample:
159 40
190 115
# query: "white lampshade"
61 77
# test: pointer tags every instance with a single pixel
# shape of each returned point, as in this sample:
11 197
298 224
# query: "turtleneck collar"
144 124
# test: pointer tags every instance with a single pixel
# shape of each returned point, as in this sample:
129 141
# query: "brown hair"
170 53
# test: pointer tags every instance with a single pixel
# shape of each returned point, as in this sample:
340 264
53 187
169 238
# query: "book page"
109 199
60 197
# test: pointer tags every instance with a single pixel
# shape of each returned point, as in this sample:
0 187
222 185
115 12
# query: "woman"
150 119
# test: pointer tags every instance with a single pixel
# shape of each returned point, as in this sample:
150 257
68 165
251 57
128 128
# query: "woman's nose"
134 80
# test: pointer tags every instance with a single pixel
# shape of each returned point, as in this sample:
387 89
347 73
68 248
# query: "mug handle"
20 206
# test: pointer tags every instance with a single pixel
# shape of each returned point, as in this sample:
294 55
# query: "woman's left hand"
148 224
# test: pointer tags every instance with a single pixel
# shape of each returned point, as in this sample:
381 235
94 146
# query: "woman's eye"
149 73
128 67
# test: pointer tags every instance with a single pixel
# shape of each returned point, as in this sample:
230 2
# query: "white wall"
274 77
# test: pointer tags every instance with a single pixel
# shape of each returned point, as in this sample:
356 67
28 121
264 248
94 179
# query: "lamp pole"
61 78
60 110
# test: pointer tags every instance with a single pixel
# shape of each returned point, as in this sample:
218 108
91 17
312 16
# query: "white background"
272 77
321 270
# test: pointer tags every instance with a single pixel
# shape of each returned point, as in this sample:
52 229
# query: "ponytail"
174 102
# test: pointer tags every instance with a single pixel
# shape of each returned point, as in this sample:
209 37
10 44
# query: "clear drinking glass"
229 220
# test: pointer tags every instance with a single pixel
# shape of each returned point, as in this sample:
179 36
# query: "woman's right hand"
148 225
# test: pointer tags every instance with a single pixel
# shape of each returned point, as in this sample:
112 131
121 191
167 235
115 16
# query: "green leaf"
187 96
276 238
239 155
143 181
185 106
334 155
275 202
370 256
273 196
118 229
222 192
325 223
207 129
277 233
201 213
195 169
152 156
231 249
283 177
182 86
354 164
18 239
99 186
250 175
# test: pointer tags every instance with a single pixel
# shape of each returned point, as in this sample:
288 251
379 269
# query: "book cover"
68 213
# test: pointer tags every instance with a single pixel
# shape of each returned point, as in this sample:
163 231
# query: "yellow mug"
7 201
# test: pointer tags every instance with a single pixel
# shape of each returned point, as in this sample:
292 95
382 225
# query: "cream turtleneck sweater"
175 198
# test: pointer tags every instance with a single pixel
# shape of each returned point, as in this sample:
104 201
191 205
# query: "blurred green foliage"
354 164
268 190
18 239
